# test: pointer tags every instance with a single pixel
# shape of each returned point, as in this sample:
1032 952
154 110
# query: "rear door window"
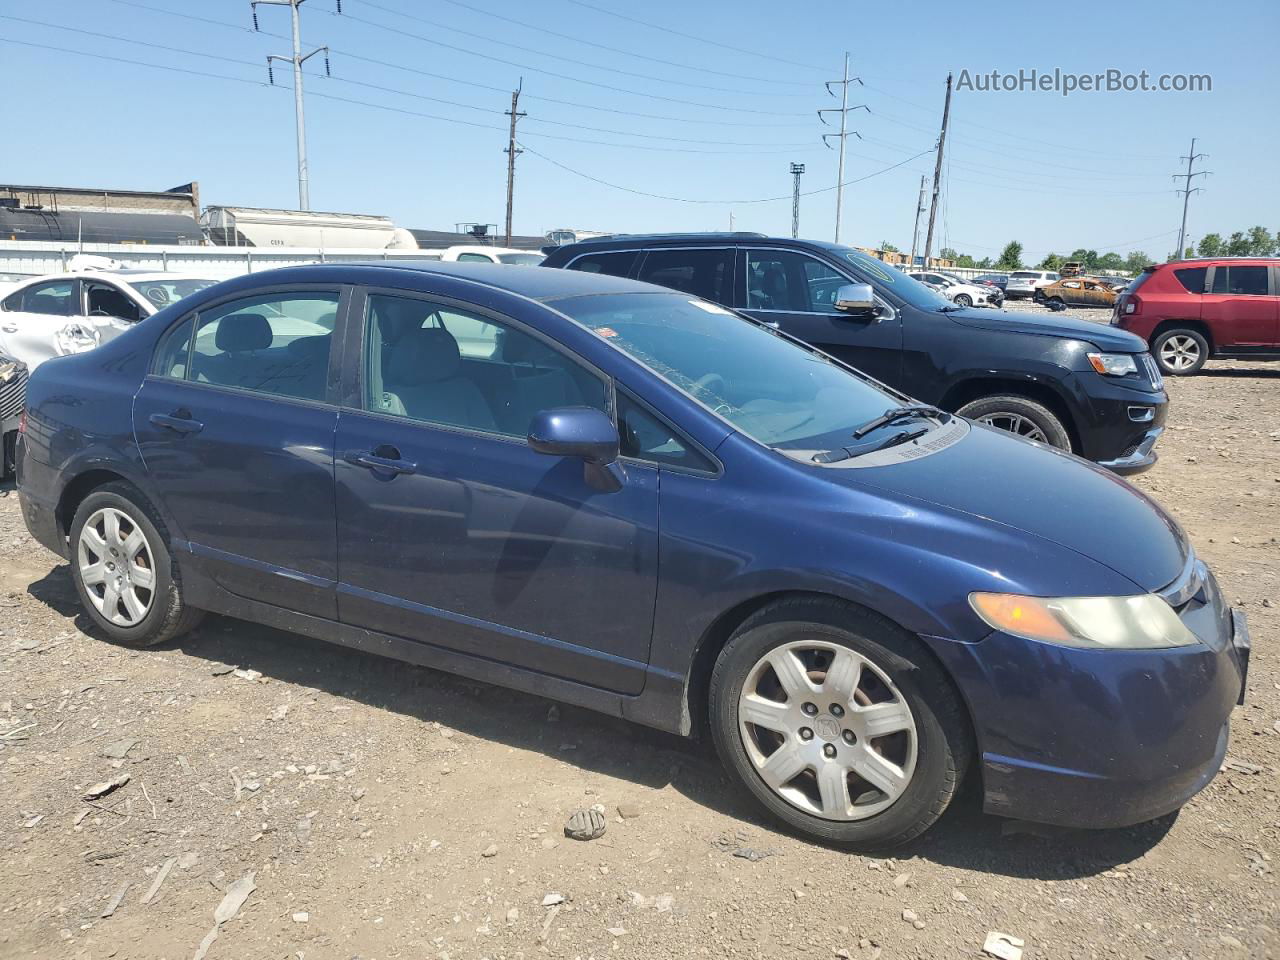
56 299
610 264
701 272
1242 281
1191 278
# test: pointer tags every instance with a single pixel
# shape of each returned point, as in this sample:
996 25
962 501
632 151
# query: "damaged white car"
53 316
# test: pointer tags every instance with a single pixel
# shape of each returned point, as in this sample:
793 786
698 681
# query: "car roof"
536 283
124 276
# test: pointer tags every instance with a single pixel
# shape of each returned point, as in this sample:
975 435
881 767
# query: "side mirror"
582 432
857 299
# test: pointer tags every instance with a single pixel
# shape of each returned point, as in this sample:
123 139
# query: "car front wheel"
840 723
1019 415
120 562
963 300
1180 353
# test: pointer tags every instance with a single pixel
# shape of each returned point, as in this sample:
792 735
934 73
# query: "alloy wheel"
1015 423
827 730
116 567
1179 353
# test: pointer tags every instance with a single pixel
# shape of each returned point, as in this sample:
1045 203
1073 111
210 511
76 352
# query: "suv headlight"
1143 622
1114 364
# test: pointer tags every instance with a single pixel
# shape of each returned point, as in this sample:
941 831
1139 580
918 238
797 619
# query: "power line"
578 62
1187 190
689 36
628 53
844 133
659 196
515 113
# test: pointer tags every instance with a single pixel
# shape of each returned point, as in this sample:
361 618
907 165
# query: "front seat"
426 368
238 362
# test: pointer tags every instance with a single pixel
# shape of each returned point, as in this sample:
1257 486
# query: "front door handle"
10 328
371 461
176 422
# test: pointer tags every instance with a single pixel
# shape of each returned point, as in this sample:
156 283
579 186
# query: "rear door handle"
176 423
370 461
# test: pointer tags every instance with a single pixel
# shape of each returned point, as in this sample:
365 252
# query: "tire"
156 612
1180 352
963 300
1051 301
1019 415
924 764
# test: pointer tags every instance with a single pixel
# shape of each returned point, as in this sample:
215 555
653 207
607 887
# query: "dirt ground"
386 811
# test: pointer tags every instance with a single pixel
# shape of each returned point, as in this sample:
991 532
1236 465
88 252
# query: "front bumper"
1101 738
1119 422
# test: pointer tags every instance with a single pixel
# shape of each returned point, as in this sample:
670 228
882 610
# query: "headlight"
8 369
1113 364
1117 623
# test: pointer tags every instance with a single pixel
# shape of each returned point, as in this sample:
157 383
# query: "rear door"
1240 307
43 320
236 427
796 292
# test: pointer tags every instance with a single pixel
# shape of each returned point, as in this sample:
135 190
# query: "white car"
52 316
482 254
1025 283
960 293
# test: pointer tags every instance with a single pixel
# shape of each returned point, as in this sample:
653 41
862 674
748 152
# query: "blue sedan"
634 500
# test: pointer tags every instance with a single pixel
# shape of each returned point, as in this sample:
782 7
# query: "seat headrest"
424 356
242 331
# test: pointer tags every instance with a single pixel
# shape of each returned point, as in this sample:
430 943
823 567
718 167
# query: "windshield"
161 293
775 391
521 259
892 280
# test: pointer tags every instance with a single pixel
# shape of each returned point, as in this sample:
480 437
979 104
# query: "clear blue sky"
1056 173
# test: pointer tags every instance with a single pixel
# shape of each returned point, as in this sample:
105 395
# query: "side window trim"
352 392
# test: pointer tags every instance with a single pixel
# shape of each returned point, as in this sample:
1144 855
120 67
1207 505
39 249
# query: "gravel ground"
388 811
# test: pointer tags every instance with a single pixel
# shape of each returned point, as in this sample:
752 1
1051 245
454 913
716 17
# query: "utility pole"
796 170
937 175
844 131
298 59
915 230
1187 190
515 114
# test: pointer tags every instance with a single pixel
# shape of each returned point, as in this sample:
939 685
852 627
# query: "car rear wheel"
1180 353
963 300
840 723
1051 301
1019 415
123 571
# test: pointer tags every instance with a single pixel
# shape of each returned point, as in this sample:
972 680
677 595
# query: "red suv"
1190 311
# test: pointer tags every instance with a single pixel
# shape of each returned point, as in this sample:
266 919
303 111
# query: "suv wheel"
840 723
126 578
1180 352
1019 415
963 300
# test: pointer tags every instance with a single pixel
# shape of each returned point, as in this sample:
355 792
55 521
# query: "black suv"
1076 385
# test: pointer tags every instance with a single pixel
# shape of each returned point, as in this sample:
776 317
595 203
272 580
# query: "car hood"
1046 493
1049 325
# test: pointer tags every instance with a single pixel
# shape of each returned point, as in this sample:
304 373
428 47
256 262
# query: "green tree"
1010 256
1237 245
964 260
1052 262
1136 262
1086 258
888 247
1110 261
1211 245
1261 242
984 264
948 253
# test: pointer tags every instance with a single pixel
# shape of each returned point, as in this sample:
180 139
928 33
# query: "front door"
453 532
236 430
1239 308
796 292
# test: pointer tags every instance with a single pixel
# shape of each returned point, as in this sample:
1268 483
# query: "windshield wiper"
893 440
894 414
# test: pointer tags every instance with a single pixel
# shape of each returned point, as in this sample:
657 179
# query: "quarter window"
274 343
1192 278
694 270
782 280
433 363
610 264
1240 281
645 436
474 258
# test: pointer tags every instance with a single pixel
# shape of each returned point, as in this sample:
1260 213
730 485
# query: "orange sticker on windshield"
606 332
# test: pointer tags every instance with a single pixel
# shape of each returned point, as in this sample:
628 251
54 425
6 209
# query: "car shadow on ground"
1250 373
965 838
